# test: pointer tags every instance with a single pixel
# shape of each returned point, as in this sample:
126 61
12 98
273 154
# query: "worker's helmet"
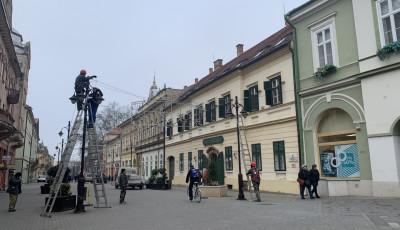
253 164
83 71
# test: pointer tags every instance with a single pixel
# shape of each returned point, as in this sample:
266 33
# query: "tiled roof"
263 49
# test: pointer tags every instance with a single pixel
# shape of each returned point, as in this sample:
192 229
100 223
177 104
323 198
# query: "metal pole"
131 149
58 157
30 151
240 176
69 127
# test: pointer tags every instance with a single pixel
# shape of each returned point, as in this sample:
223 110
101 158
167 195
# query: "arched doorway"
171 165
337 145
216 165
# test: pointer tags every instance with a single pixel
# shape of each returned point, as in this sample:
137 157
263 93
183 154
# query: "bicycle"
196 194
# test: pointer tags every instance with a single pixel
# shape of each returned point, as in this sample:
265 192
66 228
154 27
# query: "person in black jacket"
14 189
304 174
194 175
96 97
314 178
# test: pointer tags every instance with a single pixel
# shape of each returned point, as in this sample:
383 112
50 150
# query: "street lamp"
62 149
244 114
68 129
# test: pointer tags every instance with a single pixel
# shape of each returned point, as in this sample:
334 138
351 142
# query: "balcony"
6 127
16 140
13 96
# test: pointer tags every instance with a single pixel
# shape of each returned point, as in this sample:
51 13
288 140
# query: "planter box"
45 189
63 203
214 191
158 186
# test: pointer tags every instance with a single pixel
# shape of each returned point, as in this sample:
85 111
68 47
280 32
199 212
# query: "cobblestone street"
151 209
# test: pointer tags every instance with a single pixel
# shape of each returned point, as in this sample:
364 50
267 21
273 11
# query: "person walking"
14 189
314 178
194 175
255 179
123 183
304 174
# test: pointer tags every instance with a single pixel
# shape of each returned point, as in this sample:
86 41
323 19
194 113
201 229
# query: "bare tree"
111 116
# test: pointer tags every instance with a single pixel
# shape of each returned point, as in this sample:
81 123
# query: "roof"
263 49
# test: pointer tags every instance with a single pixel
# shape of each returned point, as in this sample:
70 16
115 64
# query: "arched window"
337 146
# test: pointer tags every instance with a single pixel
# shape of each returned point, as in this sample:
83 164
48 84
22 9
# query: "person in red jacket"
255 179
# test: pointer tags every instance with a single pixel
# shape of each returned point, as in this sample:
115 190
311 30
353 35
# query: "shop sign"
213 140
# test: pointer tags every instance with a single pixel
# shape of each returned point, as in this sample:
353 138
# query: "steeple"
153 89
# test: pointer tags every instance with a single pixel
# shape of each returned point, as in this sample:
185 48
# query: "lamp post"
240 176
68 129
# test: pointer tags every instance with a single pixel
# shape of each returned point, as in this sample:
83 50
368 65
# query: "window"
152 128
147 166
188 121
337 145
256 155
224 106
211 113
228 158
323 39
200 159
169 129
155 161
189 159
273 91
198 116
389 20
251 99
279 156
180 161
179 121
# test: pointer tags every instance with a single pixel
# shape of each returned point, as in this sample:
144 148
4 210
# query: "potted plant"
211 187
156 180
65 200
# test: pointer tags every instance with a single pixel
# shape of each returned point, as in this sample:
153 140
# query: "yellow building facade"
201 128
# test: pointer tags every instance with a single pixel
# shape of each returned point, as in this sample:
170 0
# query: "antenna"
284 10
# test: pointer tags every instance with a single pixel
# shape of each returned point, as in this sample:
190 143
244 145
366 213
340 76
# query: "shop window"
279 156
228 158
256 155
180 161
337 145
251 99
389 20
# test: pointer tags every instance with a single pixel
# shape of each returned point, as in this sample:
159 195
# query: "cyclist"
255 179
194 175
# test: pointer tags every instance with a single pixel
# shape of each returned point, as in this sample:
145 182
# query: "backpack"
195 173
255 175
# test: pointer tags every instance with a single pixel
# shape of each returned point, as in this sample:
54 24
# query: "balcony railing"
13 96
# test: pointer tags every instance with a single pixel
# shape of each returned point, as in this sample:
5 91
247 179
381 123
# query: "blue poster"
347 164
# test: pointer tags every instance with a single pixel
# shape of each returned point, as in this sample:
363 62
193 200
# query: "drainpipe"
23 151
295 62
30 151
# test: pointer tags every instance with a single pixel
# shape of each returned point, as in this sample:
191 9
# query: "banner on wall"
346 161
327 169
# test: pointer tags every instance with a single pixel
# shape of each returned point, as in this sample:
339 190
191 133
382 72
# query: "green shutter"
208 113
246 99
196 117
187 121
254 100
200 159
189 159
179 122
221 107
268 92
256 155
180 161
280 90
220 169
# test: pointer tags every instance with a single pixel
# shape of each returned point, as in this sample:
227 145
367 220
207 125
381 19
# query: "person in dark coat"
96 97
314 178
14 189
81 85
304 174
123 183
194 175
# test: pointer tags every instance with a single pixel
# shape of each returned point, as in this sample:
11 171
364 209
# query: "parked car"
89 177
41 178
134 180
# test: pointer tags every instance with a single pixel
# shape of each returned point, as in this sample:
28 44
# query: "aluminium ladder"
246 157
95 166
63 165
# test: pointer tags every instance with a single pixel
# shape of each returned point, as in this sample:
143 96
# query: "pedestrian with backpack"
255 179
194 175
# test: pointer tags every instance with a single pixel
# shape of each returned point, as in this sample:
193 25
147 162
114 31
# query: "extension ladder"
63 165
246 157
95 165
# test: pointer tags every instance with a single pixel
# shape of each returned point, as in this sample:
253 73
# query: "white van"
134 180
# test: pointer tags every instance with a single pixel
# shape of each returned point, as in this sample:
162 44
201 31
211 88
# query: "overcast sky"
124 42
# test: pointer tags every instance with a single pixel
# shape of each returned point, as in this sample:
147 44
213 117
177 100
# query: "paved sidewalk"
151 209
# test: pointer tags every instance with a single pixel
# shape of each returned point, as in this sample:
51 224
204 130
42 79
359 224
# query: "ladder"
95 163
246 157
62 167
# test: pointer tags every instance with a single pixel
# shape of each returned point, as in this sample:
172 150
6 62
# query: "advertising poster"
347 161
327 169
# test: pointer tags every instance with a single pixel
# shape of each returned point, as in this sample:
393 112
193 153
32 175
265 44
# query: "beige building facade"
200 128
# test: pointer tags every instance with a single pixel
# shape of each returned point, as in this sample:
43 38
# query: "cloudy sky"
124 42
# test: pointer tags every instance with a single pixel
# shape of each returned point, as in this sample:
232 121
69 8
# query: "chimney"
239 49
184 87
196 80
210 70
217 64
